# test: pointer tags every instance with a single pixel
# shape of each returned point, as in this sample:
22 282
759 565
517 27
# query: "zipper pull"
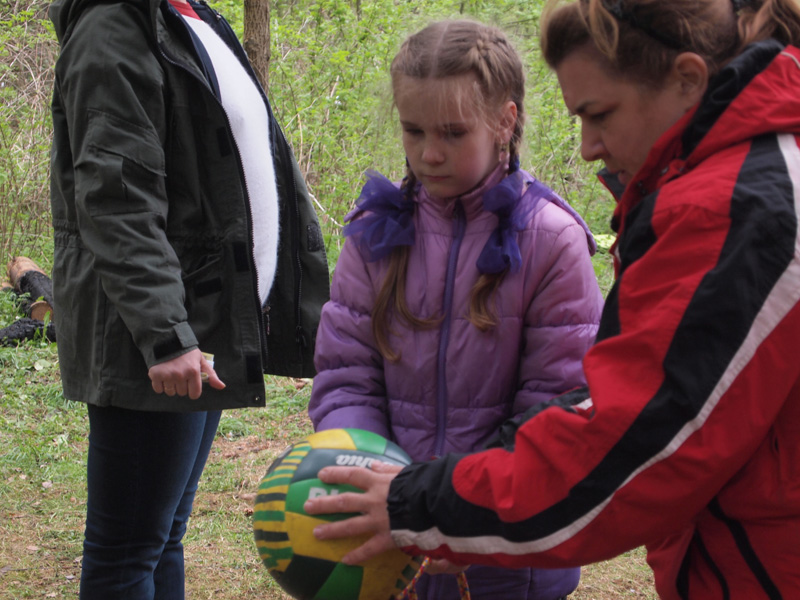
300 337
266 319
213 10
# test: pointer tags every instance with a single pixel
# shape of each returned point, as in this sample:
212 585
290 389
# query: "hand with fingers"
182 375
374 517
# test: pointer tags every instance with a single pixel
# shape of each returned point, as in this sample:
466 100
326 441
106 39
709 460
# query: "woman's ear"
691 75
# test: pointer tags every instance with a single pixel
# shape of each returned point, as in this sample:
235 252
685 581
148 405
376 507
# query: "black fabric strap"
644 25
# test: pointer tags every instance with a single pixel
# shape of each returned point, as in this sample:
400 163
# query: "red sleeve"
683 387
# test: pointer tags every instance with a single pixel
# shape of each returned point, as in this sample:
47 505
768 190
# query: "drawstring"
410 592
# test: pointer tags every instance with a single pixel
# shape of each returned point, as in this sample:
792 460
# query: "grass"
43 438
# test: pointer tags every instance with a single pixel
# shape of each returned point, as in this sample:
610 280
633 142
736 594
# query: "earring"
503 152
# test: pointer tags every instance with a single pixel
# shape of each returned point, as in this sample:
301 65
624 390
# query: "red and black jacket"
687 438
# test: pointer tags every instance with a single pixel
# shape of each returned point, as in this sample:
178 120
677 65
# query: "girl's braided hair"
446 49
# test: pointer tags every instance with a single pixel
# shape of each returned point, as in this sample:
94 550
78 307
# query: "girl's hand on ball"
371 504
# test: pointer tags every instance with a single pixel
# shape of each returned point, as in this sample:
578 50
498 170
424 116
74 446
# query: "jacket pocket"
135 143
121 170
203 282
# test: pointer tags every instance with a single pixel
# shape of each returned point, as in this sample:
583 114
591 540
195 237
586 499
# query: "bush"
329 85
27 54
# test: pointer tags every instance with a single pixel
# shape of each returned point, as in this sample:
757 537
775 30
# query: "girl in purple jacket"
465 295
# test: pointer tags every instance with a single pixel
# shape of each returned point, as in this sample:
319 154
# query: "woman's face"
620 119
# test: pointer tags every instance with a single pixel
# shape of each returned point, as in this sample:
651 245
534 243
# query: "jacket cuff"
178 341
352 417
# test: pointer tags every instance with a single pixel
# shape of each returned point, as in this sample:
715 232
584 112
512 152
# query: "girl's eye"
599 117
455 133
412 131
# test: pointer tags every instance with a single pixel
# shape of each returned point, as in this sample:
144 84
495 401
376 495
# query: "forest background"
329 88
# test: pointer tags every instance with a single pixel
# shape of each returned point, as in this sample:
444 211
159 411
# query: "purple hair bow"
389 222
501 251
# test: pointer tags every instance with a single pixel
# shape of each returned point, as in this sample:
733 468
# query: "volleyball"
307 568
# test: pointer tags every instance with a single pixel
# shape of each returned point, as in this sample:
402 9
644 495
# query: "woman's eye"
599 117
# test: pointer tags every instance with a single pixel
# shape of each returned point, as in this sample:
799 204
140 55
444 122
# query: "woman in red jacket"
687 437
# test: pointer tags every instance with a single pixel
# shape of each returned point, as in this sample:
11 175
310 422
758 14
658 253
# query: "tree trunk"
31 283
29 279
256 38
26 329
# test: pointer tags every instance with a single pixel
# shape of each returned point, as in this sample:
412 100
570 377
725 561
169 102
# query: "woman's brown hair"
639 39
441 50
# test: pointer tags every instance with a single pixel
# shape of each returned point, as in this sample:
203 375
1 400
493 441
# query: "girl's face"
620 119
449 144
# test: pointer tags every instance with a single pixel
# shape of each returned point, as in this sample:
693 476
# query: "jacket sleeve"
684 385
112 91
564 310
349 389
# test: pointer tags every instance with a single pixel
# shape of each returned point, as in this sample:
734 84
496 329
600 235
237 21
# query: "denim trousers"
142 474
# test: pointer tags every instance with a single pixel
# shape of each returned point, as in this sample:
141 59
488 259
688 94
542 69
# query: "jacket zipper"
275 131
299 335
220 20
459 228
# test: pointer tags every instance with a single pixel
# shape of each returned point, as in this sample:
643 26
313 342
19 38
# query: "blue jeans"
142 475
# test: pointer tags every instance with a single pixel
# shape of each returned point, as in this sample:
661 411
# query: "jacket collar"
739 105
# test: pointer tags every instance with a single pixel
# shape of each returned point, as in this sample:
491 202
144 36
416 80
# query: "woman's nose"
592 147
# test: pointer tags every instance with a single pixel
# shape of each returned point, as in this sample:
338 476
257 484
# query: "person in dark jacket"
183 229
687 438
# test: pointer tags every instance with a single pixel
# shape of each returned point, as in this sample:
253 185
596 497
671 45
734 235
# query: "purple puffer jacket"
454 385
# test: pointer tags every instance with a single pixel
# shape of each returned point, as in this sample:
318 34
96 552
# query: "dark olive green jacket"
150 211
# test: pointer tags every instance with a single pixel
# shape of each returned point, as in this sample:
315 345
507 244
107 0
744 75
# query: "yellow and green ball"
309 569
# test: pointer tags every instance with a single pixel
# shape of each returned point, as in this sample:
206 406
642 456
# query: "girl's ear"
690 73
507 122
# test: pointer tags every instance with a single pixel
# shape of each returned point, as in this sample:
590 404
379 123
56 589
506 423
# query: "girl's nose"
592 147
432 153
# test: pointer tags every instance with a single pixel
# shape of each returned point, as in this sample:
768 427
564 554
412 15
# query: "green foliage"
330 90
27 50
329 85
36 420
